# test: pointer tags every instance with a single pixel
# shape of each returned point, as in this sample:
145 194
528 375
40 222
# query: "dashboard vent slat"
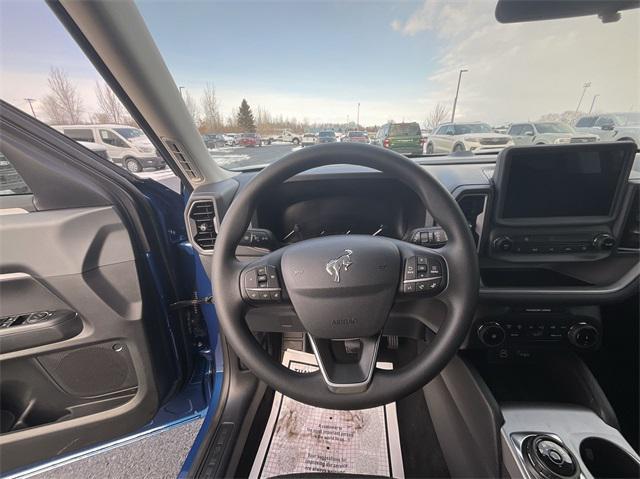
202 225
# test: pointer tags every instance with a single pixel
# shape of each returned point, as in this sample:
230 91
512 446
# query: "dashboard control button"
604 242
503 243
583 335
491 334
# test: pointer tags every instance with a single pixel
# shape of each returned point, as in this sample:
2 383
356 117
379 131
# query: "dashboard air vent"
182 159
631 233
473 206
202 224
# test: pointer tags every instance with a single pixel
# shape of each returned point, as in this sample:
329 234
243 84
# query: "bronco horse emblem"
335 265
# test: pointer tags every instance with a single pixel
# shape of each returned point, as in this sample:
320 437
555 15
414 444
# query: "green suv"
404 138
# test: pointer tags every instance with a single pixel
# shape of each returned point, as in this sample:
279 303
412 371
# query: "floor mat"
305 439
157 456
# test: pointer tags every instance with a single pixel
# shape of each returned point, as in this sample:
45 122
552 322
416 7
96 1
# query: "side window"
527 129
11 183
515 130
110 138
449 130
80 134
586 122
604 120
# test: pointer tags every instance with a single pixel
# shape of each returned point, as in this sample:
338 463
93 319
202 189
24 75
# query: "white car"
128 146
309 139
230 140
547 133
476 137
612 126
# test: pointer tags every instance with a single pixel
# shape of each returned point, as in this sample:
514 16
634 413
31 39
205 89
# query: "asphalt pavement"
228 157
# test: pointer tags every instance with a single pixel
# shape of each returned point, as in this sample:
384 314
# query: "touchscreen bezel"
501 179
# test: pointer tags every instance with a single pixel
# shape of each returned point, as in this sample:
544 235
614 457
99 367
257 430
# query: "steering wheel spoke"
347 366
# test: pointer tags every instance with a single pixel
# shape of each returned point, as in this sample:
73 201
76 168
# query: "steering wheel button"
435 269
262 270
422 267
422 260
410 287
255 295
251 279
262 278
265 295
275 295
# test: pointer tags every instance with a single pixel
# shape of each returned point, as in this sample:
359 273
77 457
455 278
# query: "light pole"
181 88
593 102
584 90
30 101
455 101
358 117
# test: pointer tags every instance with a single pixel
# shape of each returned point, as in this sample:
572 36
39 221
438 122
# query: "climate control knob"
503 243
604 241
491 334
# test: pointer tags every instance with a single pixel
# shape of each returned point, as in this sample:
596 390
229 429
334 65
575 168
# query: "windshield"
130 133
424 71
357 134
553 128
464 129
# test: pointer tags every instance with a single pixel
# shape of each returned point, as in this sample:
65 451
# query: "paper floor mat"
300 438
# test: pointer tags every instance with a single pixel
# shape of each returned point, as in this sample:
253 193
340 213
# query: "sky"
318 60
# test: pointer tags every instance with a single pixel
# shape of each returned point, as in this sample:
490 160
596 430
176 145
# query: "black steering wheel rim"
461 291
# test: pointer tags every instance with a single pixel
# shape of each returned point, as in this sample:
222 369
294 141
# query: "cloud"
522 71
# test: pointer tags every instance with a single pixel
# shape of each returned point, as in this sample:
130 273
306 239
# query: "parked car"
309 139
11 183
288 136
404 138
612 126
250 139
230 139
214 140
327 136
547 133
126 145
477 137
356 137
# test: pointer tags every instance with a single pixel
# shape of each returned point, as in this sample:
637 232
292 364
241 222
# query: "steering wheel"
343 287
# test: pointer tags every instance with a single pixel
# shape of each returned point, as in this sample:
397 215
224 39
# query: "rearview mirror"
515 11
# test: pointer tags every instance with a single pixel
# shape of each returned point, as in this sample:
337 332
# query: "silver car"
547 133
612 126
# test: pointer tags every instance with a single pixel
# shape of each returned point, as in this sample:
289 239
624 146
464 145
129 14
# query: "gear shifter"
549 458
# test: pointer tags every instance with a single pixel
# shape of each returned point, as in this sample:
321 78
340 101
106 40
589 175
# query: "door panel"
60 391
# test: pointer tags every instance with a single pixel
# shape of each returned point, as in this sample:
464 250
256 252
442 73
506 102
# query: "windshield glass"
553 128
356 134
464 129
408 74
130 133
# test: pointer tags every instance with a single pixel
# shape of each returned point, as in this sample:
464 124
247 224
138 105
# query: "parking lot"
228 157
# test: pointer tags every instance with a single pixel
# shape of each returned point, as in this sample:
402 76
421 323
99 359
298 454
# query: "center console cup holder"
604 459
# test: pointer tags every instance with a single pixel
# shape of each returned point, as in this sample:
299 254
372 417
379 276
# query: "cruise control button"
262 270
421 286
409 287
262 278
422 267
432 284
410 268
435 269
275 295
265 295
422 260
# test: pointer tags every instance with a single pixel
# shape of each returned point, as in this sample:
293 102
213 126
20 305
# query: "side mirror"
528 133
607 126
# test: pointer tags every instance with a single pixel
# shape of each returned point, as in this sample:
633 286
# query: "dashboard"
569 235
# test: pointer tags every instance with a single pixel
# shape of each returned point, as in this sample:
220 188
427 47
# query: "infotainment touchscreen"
551 182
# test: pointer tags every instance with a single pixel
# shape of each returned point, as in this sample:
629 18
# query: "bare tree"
62 104
439 113
192 106
212 120
110 110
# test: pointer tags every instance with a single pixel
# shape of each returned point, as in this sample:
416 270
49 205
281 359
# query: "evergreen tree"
245 117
